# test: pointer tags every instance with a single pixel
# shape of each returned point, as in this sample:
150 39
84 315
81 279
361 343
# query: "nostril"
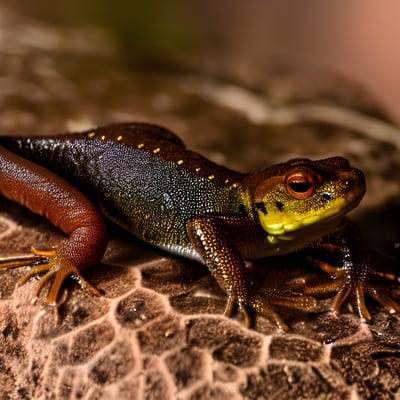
359 174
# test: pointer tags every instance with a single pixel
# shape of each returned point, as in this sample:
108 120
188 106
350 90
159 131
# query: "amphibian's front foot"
54 266
227 266
263 302
351 283
354 277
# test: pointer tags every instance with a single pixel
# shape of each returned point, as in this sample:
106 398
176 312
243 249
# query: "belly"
185 251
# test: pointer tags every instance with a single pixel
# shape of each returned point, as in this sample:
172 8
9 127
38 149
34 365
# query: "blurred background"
358 39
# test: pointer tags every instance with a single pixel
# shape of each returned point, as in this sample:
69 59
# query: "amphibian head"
303 194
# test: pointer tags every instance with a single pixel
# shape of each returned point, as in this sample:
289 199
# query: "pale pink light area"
365 46
359 39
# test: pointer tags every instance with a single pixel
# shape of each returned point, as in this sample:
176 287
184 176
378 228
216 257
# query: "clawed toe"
55 268
263 302
348 290
384 300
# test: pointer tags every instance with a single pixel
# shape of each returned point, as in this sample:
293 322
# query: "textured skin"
143 178
144 190
46 194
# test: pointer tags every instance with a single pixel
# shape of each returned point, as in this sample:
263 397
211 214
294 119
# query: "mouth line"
316 220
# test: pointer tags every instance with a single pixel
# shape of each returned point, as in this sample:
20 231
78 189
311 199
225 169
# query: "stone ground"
158 332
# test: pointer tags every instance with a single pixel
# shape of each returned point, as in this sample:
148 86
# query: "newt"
141 177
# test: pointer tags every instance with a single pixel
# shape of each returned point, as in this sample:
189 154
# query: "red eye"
300 185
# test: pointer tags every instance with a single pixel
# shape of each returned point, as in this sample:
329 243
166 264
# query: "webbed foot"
55 268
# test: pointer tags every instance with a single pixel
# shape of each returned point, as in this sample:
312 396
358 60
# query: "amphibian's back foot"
56 269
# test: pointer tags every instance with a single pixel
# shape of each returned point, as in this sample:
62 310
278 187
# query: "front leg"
354 277
211 237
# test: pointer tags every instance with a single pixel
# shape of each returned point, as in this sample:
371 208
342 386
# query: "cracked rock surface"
158 331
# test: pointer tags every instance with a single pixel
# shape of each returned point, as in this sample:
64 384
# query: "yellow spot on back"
103 138
119 138
234 185
180 162
198 169
157 150
91 135
211 177
140 145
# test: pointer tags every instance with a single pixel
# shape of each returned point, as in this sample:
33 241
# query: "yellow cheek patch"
280 223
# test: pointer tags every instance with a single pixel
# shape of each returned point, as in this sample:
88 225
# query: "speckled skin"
142 177
147 189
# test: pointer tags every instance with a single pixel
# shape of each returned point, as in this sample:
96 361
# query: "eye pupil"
300 187
301 184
